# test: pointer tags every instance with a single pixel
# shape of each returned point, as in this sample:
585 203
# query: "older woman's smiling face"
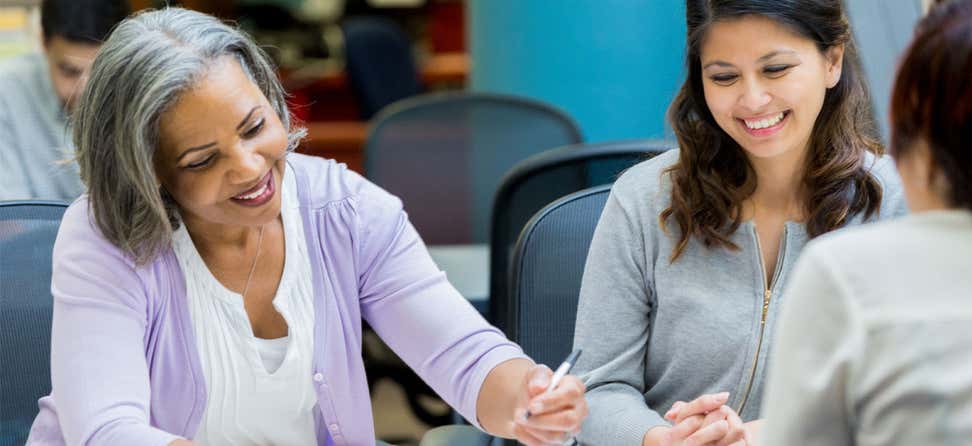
222 150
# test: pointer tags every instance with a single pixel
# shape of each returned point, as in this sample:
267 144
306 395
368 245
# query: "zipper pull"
766 302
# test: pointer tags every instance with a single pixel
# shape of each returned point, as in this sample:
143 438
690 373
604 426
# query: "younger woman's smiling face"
765 84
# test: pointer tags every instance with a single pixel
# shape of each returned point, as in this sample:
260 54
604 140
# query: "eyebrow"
211 144
246 118
764 58
68 66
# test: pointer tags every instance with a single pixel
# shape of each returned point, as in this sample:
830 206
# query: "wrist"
654 436
752 430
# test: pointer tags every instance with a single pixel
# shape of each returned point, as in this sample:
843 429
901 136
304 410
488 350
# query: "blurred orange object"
342 141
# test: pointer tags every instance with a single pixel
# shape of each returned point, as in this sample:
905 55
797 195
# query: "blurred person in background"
38 92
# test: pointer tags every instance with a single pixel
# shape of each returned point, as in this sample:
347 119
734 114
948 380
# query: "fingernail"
540 381
723 396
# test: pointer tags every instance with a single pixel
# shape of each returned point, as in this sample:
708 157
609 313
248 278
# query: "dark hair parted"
932 98
713 176
86 21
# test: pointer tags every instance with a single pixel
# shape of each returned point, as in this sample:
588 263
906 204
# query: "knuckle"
551 437
581 385
571 418
693 422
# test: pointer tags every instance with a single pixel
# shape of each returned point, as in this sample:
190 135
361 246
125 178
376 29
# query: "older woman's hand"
555 415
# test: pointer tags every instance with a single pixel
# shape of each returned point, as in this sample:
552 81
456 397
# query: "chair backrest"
27 233
548 263
541 179
444 154
379 63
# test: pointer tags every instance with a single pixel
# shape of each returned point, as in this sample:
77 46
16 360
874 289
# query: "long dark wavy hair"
713 176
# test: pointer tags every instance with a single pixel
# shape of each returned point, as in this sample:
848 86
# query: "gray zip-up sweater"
655 332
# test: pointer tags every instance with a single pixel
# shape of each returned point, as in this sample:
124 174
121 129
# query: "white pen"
561 372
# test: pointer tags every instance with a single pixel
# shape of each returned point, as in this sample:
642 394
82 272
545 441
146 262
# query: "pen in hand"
562 371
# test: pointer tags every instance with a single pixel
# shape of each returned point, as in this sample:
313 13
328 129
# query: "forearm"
498 396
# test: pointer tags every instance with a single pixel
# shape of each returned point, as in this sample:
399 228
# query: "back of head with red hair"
932 98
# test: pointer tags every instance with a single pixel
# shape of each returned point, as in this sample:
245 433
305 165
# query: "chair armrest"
455 435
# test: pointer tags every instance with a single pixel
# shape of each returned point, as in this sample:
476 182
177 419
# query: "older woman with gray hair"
210 287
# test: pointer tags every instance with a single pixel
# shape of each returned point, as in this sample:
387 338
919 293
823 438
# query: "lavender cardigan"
124 365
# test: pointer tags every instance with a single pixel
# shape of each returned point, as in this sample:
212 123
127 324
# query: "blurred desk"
467 268
322 97
342 141
445 68
434 70
442 68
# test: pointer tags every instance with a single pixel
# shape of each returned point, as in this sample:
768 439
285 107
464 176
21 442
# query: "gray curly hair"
143 67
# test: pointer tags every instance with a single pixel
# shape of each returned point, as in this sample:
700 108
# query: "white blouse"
258 390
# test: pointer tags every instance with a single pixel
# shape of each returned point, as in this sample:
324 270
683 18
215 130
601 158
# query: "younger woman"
684 277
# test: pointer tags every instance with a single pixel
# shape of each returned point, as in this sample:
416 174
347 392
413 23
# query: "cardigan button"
318 377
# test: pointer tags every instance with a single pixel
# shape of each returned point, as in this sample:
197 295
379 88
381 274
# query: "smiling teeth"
764 123
255 194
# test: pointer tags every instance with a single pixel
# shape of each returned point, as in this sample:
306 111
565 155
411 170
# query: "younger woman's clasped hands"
707 421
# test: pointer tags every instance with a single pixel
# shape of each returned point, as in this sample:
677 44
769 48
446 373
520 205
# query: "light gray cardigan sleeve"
820 335
613 326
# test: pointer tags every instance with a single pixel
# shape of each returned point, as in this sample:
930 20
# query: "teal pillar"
614 65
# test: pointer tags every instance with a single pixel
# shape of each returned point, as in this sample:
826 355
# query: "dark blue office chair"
545 275
545 278
538 181
444 154
379 63
27 233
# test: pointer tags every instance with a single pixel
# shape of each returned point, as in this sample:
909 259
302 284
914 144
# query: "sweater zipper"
767 295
